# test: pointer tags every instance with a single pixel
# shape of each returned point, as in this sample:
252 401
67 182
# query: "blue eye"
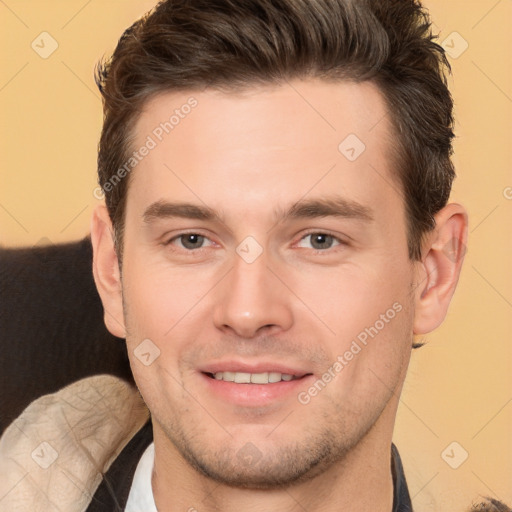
189 241
320 241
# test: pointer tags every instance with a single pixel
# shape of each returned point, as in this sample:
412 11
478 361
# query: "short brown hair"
227 44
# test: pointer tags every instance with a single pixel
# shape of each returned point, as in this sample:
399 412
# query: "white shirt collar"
141 498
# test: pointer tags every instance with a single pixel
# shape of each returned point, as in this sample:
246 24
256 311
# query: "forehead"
265 143
329 109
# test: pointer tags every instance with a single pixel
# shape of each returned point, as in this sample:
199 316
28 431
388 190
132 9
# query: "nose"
252 301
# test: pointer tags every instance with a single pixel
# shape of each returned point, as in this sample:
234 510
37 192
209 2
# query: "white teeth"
227 376
242 378
259 378
254 378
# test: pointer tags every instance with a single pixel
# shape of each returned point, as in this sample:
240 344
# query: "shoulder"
55 453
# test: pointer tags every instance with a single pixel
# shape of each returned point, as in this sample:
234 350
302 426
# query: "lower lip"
256 395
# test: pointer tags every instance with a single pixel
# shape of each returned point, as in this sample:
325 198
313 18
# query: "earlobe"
106 271
440 268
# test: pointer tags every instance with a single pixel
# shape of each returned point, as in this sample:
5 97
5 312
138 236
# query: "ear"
106 271
438 272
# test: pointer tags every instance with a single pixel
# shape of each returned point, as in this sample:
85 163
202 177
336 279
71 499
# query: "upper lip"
256 367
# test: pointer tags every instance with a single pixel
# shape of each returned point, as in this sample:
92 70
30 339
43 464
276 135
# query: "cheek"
163 307
352 298
157 300
375 356
368 318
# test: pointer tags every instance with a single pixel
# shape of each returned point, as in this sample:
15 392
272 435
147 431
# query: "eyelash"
339 241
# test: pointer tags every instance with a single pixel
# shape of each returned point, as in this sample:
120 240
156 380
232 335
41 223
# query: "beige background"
459 387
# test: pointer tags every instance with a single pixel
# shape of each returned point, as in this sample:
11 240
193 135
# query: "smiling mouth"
254 378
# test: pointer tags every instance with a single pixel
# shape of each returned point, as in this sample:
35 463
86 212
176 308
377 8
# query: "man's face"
265 289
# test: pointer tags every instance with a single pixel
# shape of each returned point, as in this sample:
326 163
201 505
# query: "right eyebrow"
164 209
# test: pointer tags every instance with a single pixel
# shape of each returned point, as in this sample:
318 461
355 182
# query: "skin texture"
300 304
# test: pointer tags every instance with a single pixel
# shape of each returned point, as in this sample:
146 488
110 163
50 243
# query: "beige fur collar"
53 455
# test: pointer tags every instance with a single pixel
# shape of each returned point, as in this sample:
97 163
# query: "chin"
271 467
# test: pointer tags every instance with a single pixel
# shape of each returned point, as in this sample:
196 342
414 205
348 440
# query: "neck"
361 481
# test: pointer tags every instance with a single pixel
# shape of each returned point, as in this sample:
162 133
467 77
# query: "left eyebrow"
335 206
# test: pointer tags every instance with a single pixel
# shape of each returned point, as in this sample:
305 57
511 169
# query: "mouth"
253 385
254 378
